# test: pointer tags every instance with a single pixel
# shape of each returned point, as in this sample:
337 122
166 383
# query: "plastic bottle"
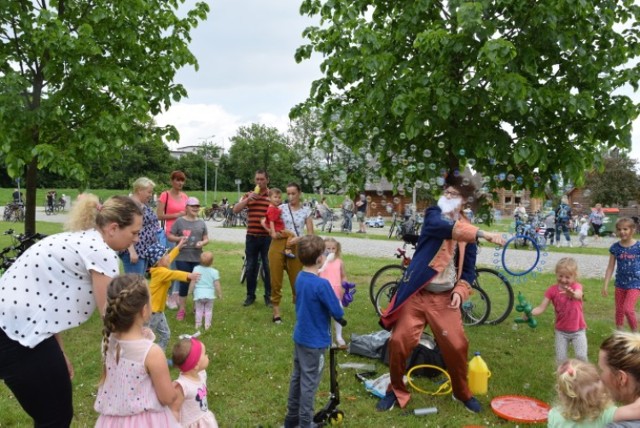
479 375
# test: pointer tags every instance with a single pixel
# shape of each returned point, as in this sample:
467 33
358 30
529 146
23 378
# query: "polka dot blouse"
49 290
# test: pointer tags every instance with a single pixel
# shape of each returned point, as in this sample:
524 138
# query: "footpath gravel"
590 266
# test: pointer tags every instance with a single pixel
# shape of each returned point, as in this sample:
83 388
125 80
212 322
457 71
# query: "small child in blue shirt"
206 289
316 304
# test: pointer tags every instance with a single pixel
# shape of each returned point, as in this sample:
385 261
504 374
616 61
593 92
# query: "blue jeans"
257 246
305 379
158 324
562 228
140 267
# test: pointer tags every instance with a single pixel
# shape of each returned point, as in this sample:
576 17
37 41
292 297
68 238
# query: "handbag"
160 234
163 221
293 220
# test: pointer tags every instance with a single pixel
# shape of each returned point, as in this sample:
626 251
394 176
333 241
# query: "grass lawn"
251 357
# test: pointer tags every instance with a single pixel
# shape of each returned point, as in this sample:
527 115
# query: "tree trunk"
30 203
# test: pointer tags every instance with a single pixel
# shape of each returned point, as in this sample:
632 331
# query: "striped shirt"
257 209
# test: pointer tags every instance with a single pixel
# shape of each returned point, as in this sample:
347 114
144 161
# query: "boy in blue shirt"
316 303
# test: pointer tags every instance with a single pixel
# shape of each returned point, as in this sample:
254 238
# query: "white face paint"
449 206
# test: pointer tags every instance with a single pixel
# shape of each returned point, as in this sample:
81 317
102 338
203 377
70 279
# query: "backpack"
563 213
427 352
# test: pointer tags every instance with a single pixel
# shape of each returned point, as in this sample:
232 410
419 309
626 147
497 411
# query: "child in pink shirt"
333 271
566 297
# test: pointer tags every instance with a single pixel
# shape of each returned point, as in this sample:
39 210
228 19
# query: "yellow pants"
278 263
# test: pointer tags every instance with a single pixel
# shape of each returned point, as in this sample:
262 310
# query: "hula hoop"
535 245
445 387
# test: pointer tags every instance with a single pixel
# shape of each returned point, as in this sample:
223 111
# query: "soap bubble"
375 130
420 166
432 166
426 153
511 177
379 192
368 199
418 184
441 144
462 152
471 163
332 188
403 136
276 157
396 200
413 148
587 193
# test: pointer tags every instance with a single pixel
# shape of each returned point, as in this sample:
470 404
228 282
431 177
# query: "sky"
248 74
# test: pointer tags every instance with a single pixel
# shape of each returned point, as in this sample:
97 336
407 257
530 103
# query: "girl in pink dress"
191 407
135 388
333 271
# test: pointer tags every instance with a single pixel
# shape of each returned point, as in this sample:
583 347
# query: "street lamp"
238 181
216 163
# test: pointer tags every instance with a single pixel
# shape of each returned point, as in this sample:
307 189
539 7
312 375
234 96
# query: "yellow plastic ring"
444 389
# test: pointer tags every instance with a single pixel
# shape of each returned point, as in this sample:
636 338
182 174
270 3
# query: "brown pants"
431 309
278 263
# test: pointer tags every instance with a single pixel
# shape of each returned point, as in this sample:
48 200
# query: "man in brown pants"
430 293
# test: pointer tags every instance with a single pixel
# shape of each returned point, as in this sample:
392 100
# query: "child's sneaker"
180 315
288 254
387 402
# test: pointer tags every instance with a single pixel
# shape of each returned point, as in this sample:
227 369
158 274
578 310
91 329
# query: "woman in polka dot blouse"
55 286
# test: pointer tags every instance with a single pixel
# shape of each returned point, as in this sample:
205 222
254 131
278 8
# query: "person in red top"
275 224
258 240
566 297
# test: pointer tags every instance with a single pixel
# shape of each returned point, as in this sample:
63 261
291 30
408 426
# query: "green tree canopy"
616 182
517 90
80 80
259 146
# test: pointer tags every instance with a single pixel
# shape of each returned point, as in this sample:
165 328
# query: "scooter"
330 414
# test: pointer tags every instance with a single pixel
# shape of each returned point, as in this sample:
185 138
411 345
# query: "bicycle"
492 282
243 270
326 224
475 310
347 220
20 244
215 213
394 225
14 211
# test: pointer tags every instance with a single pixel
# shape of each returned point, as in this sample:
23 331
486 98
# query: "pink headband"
193 357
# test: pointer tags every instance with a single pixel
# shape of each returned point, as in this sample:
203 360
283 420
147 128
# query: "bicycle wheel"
476 309
329 226
217 215
243 270
392 228
500 292
384 296
384 275
48 210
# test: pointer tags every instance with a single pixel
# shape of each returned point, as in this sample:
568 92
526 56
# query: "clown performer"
431 292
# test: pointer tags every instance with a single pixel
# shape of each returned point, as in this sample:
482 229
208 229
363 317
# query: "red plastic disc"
519 408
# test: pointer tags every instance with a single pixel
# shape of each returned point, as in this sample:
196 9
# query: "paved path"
592 266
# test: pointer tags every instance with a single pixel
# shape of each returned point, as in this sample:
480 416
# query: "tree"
259 146
521 91
325 167
615 183
79 80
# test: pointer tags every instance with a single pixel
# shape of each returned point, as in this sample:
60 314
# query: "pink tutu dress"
127 398
195 411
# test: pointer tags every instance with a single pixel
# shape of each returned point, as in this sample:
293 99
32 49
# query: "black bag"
427 352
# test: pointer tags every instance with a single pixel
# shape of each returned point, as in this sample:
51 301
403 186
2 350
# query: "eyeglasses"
452 194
